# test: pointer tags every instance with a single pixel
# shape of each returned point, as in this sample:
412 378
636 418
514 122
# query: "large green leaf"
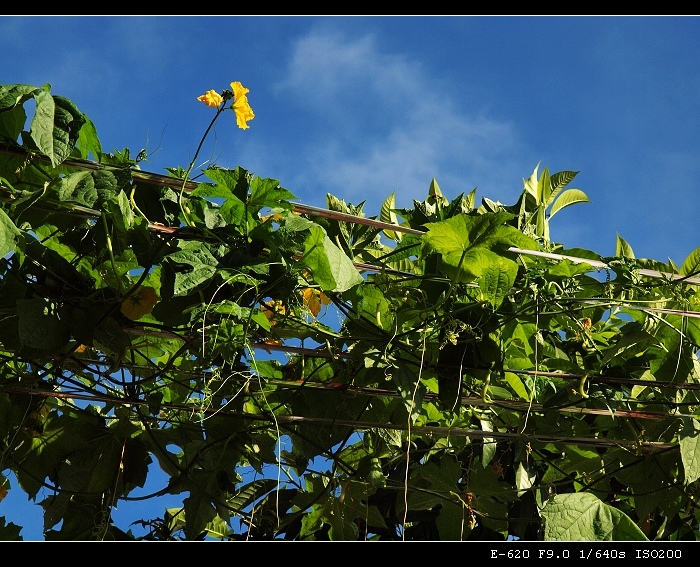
85 188
329 265
41 325
196 266
584 517
690 449
12 114
462 232
496 279
468 248
269 193
199 511
371 305
459 233
14 95
228 183
9 234
56 126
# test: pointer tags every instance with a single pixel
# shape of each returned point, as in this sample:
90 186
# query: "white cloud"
383 123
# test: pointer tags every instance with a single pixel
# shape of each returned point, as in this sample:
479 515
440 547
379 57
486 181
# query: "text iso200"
658 553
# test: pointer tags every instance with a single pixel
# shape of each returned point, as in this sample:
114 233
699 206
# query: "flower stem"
186 211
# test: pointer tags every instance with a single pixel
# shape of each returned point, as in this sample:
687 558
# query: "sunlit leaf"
330 267
584 517
566 199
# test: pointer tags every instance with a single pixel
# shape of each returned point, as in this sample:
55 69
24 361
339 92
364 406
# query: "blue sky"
361 107
365 106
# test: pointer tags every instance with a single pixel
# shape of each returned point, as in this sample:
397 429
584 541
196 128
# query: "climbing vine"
440 372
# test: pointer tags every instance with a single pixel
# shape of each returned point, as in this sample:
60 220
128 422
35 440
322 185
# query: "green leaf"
249 493
524 479
461 232
690 449
568 269
199 265
78 187
342 528
640 339
517 385
496 279
12 114
199 512
269 193
544 188
229 183
109 336
441 479
573 460
87 188
531 184
41 132
691 326
312 521
371 305
41 455
120 213
387 215
9 234
584 517
560 180
329 265
12 122
88 142
691 265
55 127
14 95
409 386
41 325
567 198
9 532
488 452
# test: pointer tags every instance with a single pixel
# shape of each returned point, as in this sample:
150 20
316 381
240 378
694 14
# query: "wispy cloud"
380 124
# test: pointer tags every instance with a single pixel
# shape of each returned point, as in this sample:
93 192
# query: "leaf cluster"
444 372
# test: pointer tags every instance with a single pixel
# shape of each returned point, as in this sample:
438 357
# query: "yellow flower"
313 299
211 98
274 217
240 105
273 309
139 303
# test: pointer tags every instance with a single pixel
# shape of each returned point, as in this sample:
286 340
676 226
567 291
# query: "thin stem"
184 208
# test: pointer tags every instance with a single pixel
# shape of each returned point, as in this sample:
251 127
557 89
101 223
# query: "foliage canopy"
444 371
